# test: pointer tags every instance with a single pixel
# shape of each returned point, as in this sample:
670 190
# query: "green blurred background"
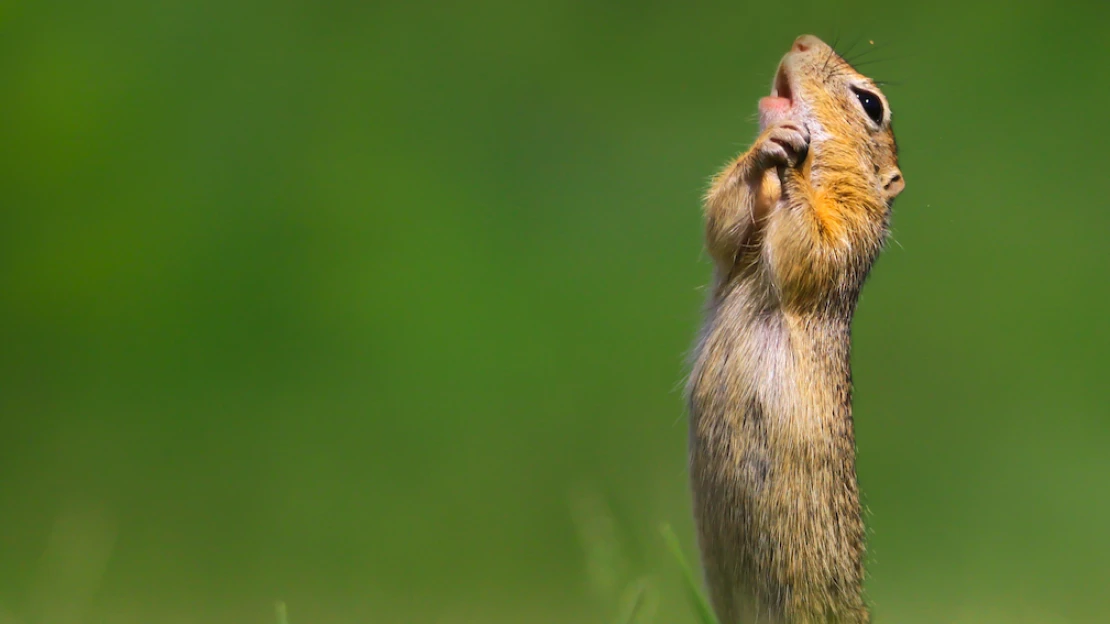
381 309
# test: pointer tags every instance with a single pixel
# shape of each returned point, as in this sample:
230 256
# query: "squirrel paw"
784 144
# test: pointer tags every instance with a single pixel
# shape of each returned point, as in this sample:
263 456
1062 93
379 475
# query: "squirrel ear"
893 184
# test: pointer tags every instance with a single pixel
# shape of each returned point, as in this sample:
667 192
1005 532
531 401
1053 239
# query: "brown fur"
793 226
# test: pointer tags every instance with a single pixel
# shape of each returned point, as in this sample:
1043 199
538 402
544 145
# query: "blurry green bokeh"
352 305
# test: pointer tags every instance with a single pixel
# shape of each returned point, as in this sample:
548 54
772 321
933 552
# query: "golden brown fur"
793 226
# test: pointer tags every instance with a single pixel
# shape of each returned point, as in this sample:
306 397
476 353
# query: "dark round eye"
871 104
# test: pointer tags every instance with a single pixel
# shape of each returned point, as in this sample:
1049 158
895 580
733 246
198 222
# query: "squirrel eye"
871 104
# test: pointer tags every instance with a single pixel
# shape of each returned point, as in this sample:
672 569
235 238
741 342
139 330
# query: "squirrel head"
847 116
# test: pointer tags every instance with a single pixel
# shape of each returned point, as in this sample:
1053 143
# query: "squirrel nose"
805 42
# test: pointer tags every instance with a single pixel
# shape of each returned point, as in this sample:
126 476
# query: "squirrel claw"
784 144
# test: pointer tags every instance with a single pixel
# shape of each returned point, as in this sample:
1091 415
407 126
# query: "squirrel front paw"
783 144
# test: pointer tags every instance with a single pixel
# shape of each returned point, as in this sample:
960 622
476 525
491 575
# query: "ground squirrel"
793 226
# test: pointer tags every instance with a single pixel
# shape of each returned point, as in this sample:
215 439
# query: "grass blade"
693 587
633 608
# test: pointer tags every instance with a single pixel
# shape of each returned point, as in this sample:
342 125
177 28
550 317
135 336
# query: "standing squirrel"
793 226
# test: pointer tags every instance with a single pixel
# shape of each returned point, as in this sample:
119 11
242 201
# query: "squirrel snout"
805 43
